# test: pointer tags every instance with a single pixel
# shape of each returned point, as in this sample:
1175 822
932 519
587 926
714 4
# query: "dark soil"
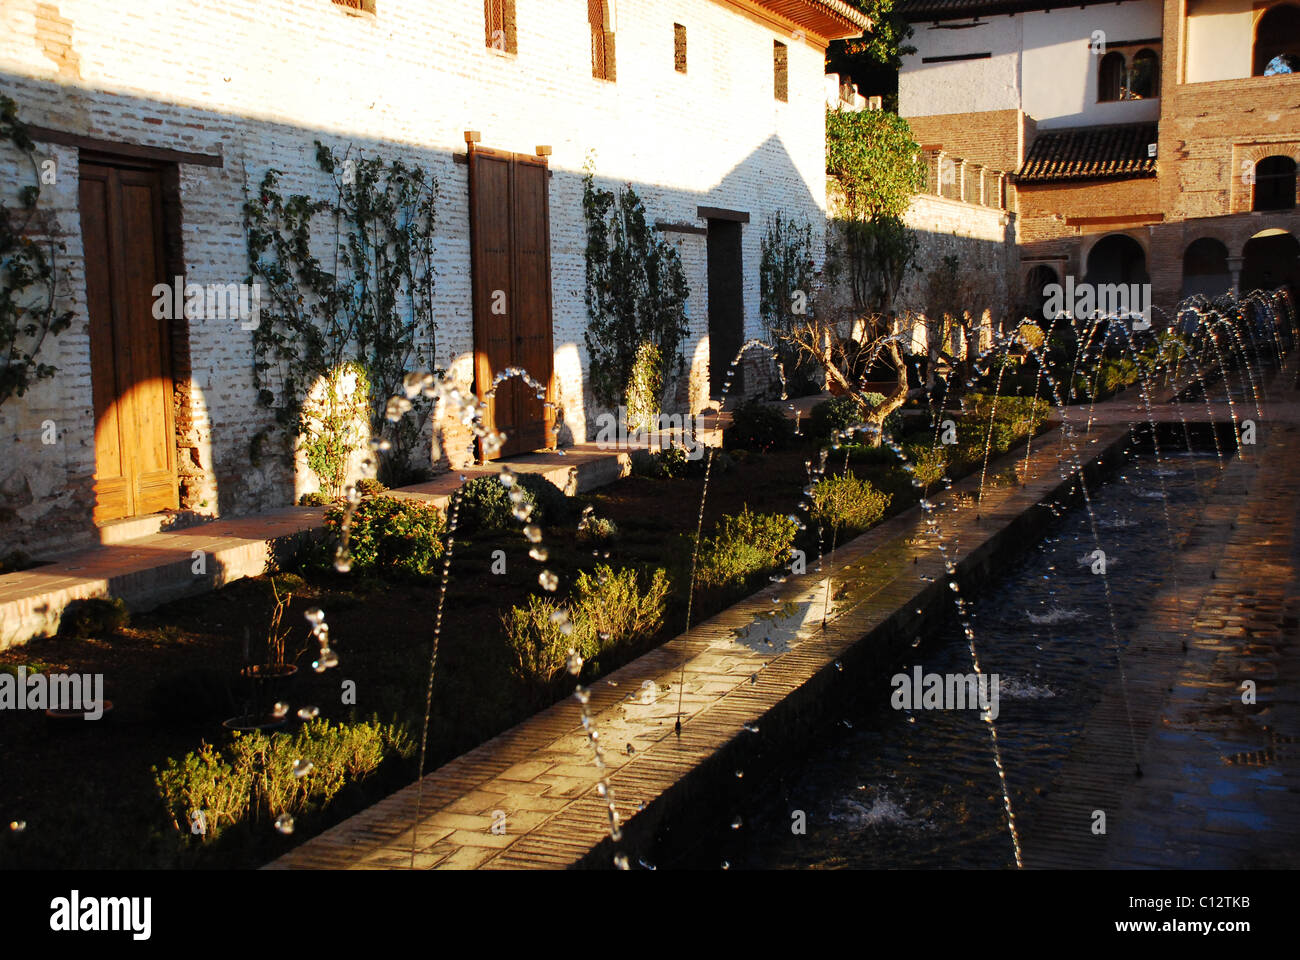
86 791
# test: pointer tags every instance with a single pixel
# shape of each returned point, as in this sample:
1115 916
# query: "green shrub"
847 502
14 560
539 645
485 505
256 769
369 487
743 545
607 610
390 536
95 618
832 415
1013 419
881 456
929 463
314 500
598 531
618 609
756 425
551 506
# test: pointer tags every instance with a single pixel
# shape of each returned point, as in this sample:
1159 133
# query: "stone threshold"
759 672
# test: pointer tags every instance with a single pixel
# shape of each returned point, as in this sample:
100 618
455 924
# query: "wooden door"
510 250
726 304
130 349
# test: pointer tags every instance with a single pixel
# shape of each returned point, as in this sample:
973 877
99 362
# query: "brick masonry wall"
981 238
257 82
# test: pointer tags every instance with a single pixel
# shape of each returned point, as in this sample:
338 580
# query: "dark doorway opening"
726 304
1270 262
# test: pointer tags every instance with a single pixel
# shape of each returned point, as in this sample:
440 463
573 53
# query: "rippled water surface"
893 788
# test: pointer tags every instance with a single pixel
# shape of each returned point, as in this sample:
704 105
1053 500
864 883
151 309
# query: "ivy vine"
368 301
28 274
636 292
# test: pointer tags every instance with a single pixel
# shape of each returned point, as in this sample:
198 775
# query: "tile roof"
1118 152
919 10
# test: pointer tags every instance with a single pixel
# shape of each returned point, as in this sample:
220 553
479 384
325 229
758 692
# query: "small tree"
876 169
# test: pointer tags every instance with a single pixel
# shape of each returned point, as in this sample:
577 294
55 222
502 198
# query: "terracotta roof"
919 10
829 19
1117 152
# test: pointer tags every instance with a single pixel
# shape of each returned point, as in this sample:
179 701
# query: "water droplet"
548 580
533 533
280 710
17 826
740 774
726 864
737 823
308 713
314 615
573 664
284 823
620 861
302 767
839 666
539 553
751 728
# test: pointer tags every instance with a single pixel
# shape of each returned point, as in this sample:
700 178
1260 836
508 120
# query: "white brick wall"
257 82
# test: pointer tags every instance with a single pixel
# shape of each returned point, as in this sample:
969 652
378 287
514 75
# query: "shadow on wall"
222 425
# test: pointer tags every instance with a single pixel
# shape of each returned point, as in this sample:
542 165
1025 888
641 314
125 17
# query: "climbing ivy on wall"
636 291
785 273
366 300
28 271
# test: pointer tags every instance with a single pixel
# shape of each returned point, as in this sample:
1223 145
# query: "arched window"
1277 41
1110 82
1144 75
1274 184
602 40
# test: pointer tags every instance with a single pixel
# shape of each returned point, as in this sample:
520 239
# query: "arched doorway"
1205 268
1034 299
1271 259
1277 42
1117 258
1274 184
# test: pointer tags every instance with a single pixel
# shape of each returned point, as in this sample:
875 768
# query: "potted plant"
269 679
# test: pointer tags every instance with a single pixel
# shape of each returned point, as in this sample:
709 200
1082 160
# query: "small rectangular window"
499 25
780 71
679 48
602 40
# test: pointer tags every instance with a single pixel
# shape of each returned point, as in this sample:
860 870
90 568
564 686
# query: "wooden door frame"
483 372
174 332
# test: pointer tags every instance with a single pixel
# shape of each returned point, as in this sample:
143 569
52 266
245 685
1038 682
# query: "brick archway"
1244 158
